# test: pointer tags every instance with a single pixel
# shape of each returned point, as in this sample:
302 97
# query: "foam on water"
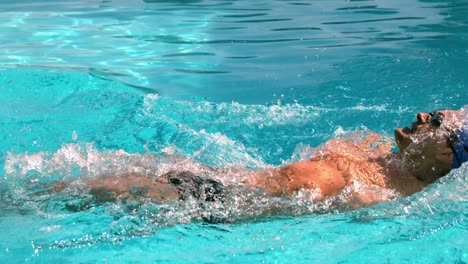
233 85
74 162
109 227
180 135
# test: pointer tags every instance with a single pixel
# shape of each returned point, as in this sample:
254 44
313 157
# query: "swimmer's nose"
423 117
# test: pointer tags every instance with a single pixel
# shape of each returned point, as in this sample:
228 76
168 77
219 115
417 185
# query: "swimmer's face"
424 146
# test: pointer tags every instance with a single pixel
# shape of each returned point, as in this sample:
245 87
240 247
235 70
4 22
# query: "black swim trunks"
190 185
133 190
205 190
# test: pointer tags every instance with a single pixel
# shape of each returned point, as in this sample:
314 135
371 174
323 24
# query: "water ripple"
372 20
246 15
296 28
201 71
172 39
135 37
190 54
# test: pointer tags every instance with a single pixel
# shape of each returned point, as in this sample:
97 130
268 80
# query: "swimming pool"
228 84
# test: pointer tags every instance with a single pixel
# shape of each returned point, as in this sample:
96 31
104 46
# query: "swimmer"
436 143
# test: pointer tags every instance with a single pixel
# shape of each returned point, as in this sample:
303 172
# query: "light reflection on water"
299 72
230 50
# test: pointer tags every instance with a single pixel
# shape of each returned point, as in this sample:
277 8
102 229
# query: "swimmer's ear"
445 157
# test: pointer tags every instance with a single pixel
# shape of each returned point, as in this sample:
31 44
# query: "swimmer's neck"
395 169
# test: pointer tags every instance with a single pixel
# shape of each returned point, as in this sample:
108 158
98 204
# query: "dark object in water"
189 184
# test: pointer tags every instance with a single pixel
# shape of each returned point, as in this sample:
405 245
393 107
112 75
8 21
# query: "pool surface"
99 87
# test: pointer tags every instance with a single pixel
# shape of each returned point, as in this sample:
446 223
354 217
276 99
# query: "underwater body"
105 87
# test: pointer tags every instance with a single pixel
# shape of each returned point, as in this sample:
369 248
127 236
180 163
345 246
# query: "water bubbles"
36 248
169 150
339 131
50 228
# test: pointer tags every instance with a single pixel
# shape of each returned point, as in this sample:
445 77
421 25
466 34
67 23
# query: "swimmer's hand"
367 197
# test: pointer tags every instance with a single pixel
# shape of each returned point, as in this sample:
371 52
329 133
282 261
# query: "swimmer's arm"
113 188
99 189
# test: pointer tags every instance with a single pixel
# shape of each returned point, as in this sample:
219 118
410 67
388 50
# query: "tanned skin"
400 171
403 171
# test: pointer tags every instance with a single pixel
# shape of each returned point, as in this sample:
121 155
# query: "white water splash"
84 160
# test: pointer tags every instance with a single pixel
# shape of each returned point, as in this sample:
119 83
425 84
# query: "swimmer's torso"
330 175
326 176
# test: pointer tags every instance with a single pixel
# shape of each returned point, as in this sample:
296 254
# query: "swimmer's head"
433 145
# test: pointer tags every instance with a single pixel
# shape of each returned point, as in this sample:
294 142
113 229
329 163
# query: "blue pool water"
92 87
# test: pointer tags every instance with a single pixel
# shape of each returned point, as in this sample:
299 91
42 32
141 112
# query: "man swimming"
435 144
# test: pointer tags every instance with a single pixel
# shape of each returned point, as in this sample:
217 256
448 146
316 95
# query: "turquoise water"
93 87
